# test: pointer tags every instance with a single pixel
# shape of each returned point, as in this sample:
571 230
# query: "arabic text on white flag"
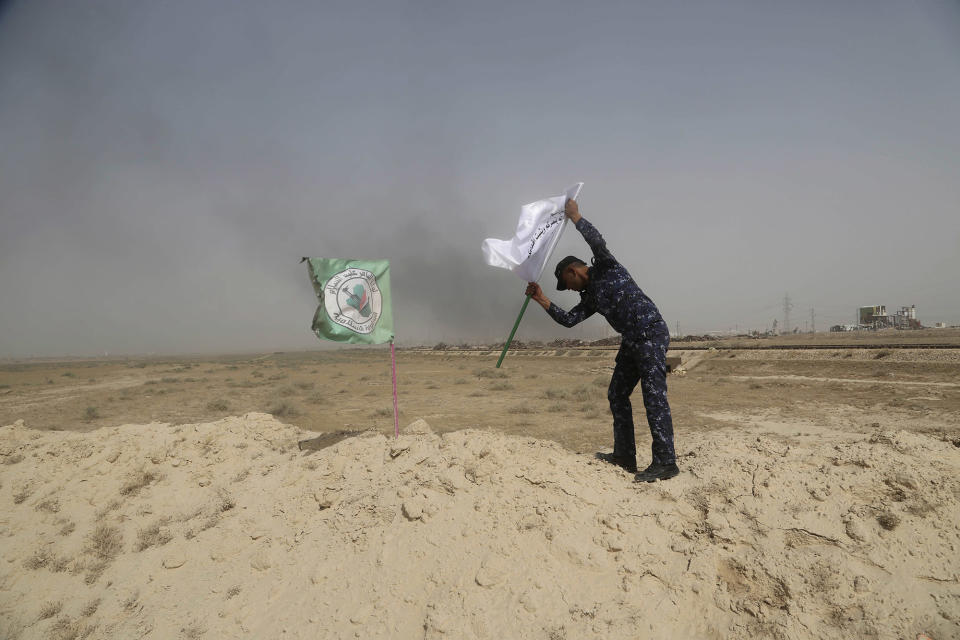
538 231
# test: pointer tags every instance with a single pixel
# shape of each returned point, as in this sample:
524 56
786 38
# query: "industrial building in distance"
875 317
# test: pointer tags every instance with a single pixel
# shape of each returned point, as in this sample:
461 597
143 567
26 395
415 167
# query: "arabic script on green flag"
354 300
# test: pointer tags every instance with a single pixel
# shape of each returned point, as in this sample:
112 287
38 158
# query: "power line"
787 306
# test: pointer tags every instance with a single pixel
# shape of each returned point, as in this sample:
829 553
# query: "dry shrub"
218 405
153 536
823 578
91 413
888 520
60 564
66 628
283 410
208 444
557 633
95 570
40 558
50 609
91 608
501 386
131 603
113 505
67 528
105 542
138 481
50 505
582 395
193 631
490 373
209 523
78 565
21 494
224 502
555 394
13 459
520 408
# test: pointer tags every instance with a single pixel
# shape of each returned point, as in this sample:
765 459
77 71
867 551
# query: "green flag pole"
513 331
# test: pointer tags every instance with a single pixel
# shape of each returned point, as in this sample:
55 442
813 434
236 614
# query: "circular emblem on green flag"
356 303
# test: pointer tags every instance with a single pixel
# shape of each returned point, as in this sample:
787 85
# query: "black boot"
657 471
621 461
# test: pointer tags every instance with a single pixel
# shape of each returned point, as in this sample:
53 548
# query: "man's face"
575 276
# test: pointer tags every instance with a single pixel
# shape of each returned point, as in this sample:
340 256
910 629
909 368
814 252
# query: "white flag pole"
556 239
526 301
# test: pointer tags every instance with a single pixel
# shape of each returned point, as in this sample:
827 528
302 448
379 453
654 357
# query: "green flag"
354 300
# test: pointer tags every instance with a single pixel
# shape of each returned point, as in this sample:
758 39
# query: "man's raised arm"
589 232
567 318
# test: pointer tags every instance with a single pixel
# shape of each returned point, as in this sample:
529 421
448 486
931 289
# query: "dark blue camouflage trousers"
645 363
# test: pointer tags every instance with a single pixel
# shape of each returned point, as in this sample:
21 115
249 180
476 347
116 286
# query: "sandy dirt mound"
229 530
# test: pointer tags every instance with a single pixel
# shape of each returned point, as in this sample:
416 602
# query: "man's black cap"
563 264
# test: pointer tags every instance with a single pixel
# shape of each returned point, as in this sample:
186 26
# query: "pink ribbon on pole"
396 413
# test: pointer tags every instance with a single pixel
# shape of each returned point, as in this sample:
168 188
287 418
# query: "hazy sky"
164 165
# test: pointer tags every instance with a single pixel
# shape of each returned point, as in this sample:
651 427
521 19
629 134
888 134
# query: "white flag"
538 231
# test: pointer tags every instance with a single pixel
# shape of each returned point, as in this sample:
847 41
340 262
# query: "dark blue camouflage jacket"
612 293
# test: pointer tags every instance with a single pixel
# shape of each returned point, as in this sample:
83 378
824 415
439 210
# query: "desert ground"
264 495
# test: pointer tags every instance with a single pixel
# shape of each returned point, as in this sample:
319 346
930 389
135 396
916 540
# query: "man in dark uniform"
607 288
